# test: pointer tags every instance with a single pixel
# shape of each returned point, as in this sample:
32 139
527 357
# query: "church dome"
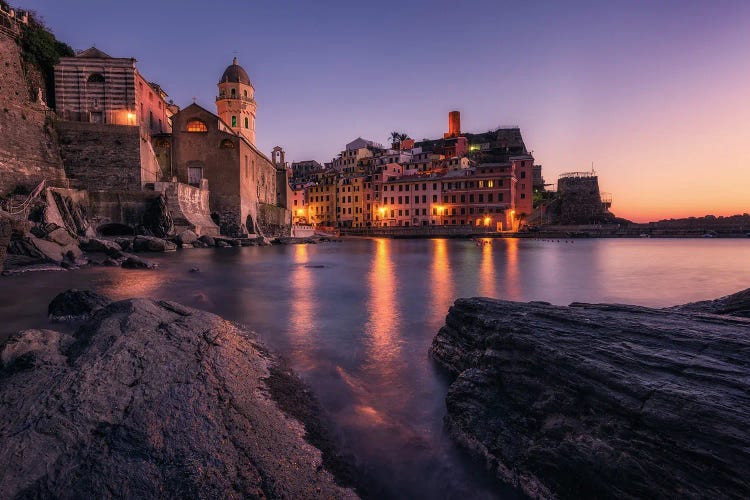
235 74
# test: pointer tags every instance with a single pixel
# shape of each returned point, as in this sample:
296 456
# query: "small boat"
644 235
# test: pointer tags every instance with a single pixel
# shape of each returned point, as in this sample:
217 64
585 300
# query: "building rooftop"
235 74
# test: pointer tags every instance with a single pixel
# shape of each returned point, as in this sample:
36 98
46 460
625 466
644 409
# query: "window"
234 92
234 121
227 144
490 184
195 174
244 92
434 198
96 78
196 126
247 123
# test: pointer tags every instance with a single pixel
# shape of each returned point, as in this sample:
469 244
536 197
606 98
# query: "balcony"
236 98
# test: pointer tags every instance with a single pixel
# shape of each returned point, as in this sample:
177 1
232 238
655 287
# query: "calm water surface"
355 320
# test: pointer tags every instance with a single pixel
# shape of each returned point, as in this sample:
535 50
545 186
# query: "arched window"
234 92
196 126
96 78
227 144
247 123
234 121
245 91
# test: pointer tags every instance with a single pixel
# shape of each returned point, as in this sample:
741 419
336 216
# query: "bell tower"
235 103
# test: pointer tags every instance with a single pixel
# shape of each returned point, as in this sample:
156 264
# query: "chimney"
454 124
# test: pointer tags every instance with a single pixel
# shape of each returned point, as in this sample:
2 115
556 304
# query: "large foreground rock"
150 400
601 401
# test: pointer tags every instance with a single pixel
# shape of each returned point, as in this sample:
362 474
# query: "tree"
397 137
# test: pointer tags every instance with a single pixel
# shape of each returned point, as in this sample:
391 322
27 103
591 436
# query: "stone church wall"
101 157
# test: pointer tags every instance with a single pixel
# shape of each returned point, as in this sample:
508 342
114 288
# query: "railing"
237 97
23 207
577 175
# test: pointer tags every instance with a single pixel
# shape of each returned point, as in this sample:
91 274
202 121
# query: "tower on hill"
235 104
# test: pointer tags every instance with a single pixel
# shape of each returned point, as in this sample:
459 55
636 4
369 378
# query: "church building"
248 191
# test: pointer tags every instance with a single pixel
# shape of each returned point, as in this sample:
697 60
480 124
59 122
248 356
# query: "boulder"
40 249
186 237
62 237
222 244
135 262
208 240
600 401
126 244
154 400
100 245
152 244
76 305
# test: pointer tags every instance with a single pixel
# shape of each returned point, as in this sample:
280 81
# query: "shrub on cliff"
39 47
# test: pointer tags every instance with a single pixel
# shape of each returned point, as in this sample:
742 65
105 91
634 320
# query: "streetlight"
381 210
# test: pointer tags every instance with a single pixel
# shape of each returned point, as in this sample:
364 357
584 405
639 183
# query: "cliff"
150 399
603 401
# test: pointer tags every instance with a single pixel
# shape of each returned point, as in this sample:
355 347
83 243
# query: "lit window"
490 184
196 126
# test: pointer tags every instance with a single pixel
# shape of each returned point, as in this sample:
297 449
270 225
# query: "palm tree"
397 137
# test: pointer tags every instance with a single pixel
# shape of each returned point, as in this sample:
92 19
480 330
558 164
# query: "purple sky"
653 93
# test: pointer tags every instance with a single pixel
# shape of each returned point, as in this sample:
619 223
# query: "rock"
737 304
152 244
222 244
100 245
76 305
6 230
61 237
126 244
186 237
135 262
208 240
31 348
40 249
595 401
156 219
42 230
154 400
199 244
195 270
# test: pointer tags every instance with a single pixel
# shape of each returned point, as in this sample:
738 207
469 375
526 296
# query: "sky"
654 94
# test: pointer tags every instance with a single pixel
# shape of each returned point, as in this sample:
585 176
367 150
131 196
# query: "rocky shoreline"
27 246
153 399
600 400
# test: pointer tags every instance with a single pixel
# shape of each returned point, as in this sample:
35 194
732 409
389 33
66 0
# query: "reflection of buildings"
441 278
512 270
487 278
383 322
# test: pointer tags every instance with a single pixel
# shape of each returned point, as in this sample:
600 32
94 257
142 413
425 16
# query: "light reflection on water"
356 319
